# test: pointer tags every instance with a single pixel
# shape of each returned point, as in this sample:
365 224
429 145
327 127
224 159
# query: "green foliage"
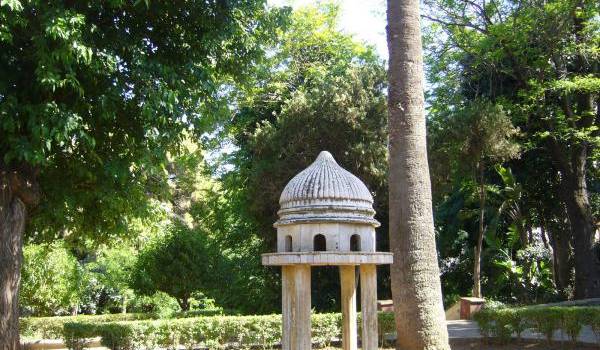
386 326
216 332
572 322
499 323
502 323
49 280
538 62
52 327
76 335
320 90
484 319
325 328
179 264
592 318
479 132
94 95
107 278
545 321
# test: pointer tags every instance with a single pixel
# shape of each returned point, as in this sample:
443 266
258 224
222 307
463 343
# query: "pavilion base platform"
296 303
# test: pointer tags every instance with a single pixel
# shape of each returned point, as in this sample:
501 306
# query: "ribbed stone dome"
325 192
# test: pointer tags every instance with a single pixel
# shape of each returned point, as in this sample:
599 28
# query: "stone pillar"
287 287
368 306
296 306
349 326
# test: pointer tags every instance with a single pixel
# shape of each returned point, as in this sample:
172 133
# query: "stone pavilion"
326 217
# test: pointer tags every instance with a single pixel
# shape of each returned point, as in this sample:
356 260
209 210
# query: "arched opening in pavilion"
319 243
288 243
355 243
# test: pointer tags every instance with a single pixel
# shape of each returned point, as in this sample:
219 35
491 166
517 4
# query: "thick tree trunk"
479 246
582 112
571 162
587 264
416 288
19 190
562 262
12 224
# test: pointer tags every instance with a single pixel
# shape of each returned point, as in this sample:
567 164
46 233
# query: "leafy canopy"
50 280
321 90
94 94
179 264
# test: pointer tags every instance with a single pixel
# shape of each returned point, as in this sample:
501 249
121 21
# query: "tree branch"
454 24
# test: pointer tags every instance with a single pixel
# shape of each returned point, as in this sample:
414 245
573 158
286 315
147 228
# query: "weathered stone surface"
368 303
327 258
326 202
349 325
325 192
326 218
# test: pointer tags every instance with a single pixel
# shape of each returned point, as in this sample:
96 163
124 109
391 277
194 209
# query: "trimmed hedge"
52 327
214 332
502 323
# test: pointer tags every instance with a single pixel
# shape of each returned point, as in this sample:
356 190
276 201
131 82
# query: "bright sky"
365 19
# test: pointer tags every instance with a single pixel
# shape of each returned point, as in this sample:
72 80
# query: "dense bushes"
49 280
503 323
211 331
179 264
52 327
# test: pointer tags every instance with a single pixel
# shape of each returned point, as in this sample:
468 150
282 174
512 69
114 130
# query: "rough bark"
12 224
416 288
18 191
573 191
562 262
587 264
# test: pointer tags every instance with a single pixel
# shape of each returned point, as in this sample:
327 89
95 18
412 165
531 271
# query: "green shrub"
49 280
325 327
517 322
485 320
592 318
502 323
213 332
179 264
52 327
544 320
387 325
197 313
116 336
572 321
76 335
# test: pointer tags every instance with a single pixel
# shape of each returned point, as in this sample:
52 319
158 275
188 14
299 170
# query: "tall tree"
473 139
321 90
539 59
92 97
416 289
179 264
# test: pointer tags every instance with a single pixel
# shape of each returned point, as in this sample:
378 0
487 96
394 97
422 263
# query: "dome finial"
325 191
325 155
